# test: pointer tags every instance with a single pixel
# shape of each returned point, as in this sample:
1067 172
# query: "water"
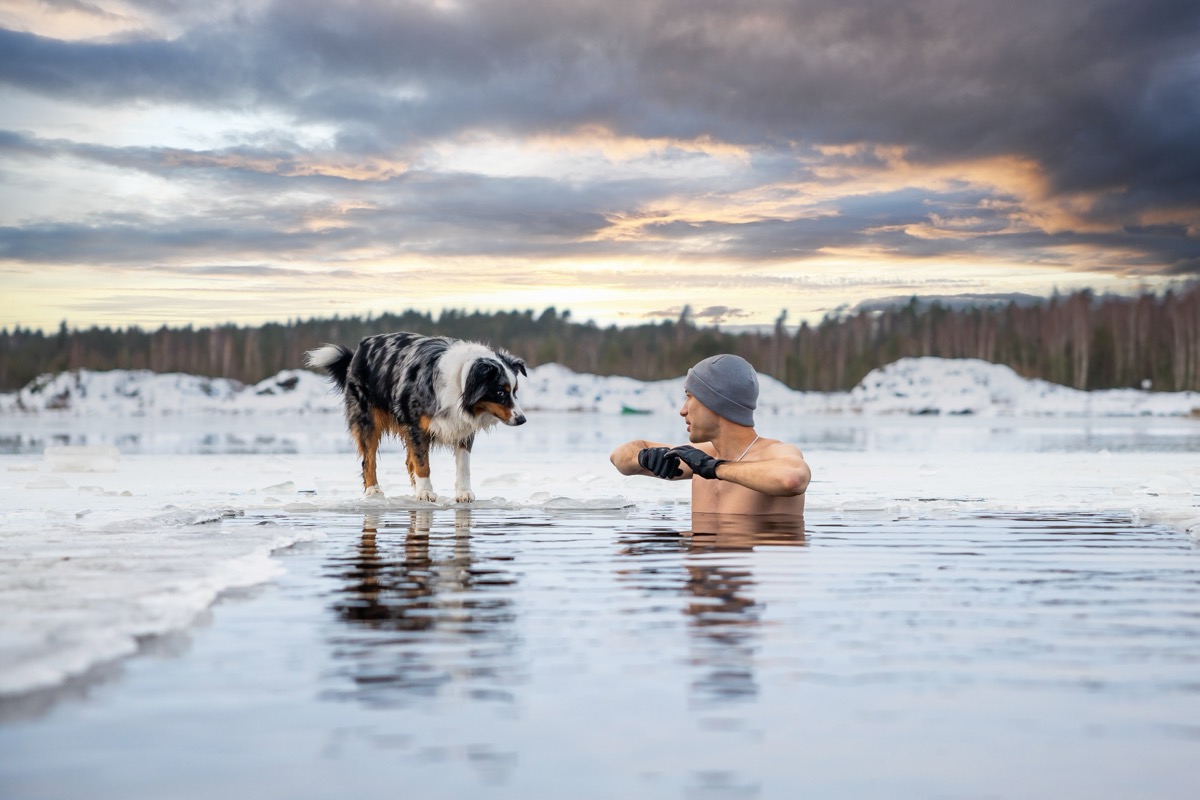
534 653
286 434
972 608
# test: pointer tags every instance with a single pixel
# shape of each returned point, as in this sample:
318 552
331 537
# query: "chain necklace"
747 450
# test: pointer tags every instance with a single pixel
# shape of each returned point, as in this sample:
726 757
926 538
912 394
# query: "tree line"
1078 340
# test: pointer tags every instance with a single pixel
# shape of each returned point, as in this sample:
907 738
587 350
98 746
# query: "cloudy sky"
170 161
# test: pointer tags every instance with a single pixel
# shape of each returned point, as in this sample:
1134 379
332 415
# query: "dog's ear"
479 381
514 363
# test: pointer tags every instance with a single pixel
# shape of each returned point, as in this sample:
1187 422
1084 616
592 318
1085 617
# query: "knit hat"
727 385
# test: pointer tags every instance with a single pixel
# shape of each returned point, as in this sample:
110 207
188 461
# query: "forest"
1078 340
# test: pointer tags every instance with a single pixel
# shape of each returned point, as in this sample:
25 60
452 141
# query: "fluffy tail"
332 358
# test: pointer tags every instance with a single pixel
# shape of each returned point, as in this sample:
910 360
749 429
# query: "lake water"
594 434
940 644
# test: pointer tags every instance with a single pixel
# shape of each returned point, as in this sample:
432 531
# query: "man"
733 470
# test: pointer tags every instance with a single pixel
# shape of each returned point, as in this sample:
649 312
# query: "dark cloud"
1100 95
1094 89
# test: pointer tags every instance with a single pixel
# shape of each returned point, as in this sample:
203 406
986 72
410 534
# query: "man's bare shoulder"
778 449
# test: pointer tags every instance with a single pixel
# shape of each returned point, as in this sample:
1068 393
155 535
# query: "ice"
82 458
117 490
48 482
81 589
1159 485
595 504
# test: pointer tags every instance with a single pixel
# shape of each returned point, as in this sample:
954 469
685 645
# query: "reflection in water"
745 532
725 618
423 612
718 582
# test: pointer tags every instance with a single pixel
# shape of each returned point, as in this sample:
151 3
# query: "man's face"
701 422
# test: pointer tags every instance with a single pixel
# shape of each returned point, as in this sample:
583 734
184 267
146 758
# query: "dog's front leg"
417 443
462 472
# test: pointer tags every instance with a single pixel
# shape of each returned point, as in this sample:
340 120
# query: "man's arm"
783 472
625 458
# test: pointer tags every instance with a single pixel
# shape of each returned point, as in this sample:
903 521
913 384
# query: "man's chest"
729 498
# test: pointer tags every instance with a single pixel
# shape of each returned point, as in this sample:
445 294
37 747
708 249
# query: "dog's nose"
519 419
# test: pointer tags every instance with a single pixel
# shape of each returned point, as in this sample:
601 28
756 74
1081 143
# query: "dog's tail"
332 358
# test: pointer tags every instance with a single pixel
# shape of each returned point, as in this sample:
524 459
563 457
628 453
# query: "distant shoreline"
908 387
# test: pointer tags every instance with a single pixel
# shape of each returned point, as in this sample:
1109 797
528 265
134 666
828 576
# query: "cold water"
451 653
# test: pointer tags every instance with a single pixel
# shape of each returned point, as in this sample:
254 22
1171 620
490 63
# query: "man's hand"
660 461
701 462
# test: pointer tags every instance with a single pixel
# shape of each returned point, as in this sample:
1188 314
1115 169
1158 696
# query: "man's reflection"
718 580
724 615
410 590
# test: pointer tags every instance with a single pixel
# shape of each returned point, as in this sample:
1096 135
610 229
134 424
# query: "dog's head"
491 388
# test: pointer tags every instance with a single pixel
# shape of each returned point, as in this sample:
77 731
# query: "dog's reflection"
393 588
410 589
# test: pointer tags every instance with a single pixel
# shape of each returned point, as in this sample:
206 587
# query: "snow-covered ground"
116 488
909 386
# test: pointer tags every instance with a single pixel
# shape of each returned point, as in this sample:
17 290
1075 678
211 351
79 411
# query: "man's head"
726 385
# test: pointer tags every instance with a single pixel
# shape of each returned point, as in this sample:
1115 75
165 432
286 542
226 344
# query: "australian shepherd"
428 390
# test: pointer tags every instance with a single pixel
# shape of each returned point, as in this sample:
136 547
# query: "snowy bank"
122 393
971 386
908 386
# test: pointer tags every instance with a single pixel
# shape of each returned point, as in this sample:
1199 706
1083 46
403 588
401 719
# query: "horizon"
700 319
244 162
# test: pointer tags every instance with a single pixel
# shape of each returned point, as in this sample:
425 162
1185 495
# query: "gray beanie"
726 385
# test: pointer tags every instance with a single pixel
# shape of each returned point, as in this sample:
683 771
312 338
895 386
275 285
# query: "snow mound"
908 386
971 386
86 393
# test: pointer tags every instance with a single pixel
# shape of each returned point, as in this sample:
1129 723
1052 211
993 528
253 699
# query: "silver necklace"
747 450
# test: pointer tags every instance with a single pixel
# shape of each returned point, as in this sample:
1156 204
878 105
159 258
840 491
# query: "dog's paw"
373 491
464 496
426 496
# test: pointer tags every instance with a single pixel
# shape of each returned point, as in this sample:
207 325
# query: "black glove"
701 462
659 461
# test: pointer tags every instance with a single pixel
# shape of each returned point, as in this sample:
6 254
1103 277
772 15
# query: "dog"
429 391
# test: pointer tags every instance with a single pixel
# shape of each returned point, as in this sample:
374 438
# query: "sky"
174 162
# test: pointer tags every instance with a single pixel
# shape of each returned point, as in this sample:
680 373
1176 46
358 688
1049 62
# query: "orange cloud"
312 165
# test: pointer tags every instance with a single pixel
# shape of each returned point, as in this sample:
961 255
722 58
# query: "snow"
908 386
116 393
120 492
970 386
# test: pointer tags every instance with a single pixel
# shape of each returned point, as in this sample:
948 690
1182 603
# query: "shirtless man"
733 470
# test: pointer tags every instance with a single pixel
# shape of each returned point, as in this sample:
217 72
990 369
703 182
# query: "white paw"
426 496
373 491
464 496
